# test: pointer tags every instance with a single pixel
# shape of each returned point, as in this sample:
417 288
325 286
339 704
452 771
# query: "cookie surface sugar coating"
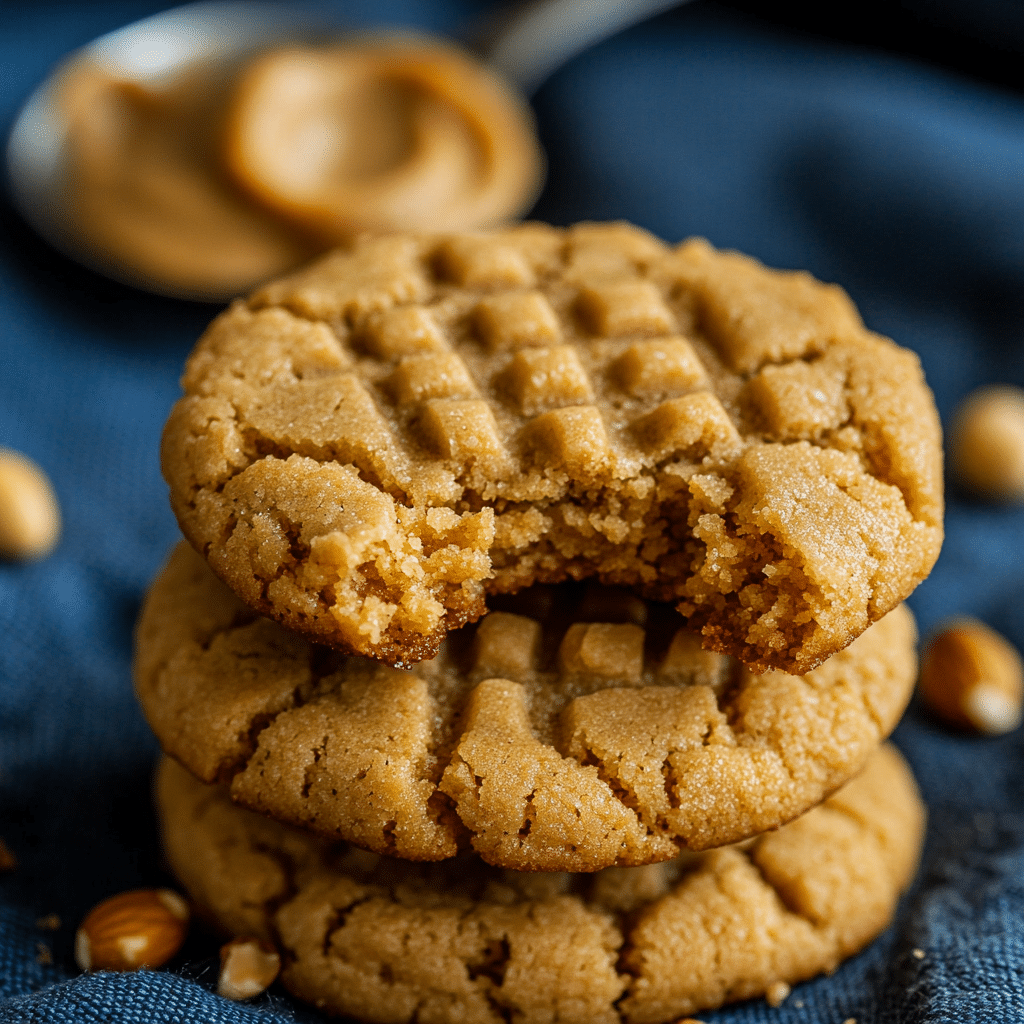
384 940
541 739
367 447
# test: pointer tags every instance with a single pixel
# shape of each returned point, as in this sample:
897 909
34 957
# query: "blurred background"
878 145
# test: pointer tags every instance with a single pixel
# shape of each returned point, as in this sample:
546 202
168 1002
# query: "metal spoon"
537 40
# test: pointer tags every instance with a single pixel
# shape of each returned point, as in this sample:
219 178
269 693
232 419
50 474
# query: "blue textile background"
902 182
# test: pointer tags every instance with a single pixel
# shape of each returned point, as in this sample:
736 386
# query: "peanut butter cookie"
369 446
542 739
383 940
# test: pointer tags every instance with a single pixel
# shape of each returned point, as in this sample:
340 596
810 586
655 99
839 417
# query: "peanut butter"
147 196
383 134
206 185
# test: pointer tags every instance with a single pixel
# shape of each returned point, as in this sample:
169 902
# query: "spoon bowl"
150 52
215 38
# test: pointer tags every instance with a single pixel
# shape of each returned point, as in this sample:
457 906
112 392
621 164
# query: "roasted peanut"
986 442
8 862
247 968
29 515
141 928
972 677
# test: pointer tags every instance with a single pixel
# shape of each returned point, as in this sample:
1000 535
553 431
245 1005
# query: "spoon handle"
549 33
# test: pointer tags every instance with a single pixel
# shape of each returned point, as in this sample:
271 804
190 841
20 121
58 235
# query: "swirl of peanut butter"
397 133
146 196
206 185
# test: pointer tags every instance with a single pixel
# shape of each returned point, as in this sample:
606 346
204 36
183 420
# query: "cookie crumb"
776 993
8 862
43 954
850 1020
799 1004
49 922
917 954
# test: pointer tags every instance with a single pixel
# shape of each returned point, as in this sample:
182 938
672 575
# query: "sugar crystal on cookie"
586 402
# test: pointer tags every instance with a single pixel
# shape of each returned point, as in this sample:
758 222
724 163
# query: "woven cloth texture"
902 181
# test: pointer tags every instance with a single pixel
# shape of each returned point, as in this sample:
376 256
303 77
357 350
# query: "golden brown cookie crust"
554 746
369 446
384 940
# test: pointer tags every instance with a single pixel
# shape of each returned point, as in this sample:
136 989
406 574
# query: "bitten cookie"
383 940
543 740
367 447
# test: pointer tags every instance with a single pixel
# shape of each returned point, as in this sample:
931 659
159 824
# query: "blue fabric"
902 182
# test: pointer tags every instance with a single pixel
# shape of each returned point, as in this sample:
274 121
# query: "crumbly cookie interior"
370 446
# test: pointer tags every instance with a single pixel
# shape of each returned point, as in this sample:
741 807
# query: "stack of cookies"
692 493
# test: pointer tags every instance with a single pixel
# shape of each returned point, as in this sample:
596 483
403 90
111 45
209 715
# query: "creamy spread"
147 195
205 187
396 134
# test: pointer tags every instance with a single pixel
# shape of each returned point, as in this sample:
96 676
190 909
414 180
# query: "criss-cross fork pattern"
370 446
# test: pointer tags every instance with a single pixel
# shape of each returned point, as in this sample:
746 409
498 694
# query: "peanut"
247 968
8 862
141 928
972 678
29 514
986 442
